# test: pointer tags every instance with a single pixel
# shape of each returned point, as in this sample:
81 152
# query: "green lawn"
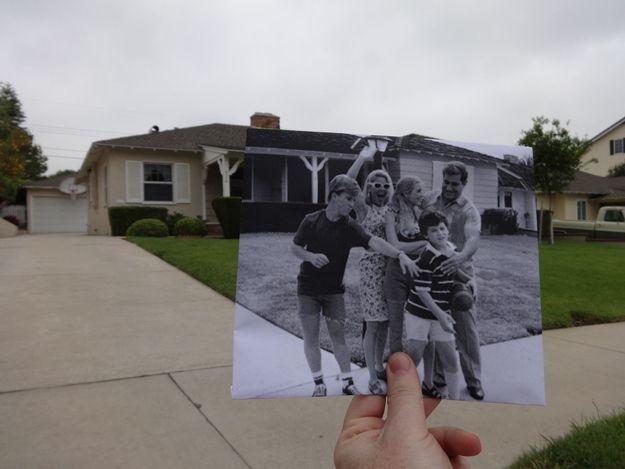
581 283
599 444
211 261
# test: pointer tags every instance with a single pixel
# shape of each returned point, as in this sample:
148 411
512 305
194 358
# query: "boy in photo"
428 308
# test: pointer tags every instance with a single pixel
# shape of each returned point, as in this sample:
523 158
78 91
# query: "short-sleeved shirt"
460 213
334 239
430 279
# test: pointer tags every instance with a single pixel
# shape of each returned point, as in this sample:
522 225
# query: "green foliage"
20 158
172 219
150 227
557 154
617 170
595 443
211 261
122 217
189 226
228 210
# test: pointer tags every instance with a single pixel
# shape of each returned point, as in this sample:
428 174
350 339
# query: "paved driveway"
110 357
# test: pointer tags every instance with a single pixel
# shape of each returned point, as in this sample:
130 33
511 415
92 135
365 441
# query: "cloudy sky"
469 71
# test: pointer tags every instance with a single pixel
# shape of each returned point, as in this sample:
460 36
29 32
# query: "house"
584 196
180 169
56 205
287 174
607 148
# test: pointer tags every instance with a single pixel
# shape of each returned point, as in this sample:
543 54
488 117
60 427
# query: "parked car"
610 224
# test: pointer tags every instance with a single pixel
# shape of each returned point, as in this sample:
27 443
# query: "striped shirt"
432 280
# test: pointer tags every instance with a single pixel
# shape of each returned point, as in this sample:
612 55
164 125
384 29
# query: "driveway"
110 357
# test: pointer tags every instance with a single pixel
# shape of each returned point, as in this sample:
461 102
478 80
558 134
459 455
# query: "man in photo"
323 242
464 232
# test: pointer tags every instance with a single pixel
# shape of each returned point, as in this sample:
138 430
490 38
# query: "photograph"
354 247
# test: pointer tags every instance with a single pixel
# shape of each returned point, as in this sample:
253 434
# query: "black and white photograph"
354 247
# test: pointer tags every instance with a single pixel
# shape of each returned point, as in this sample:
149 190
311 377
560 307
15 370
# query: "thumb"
404 399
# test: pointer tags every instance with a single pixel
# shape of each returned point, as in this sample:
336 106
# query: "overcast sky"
458 70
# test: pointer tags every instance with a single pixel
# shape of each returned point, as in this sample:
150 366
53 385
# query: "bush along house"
287 174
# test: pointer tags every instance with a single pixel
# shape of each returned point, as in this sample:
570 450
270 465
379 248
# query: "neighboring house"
290 170
56 205
607 148
584 196
180 169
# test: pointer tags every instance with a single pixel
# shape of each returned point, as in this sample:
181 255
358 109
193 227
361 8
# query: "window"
613 215
581 210
617 146
158 183
507 199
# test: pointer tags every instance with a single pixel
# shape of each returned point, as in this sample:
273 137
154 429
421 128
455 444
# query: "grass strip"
211 261
597 443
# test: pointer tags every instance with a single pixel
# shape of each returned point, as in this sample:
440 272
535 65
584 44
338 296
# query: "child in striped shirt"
428 308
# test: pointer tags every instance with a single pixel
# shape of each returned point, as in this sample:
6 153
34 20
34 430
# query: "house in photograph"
287 174
56 205
180 169
607 149
584 196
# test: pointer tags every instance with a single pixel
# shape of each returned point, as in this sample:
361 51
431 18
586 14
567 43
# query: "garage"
56 205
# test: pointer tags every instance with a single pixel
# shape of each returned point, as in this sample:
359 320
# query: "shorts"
418 328
332 306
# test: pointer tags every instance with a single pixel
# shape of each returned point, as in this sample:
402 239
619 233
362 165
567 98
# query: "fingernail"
399 363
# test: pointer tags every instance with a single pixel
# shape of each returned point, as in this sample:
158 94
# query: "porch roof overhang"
296 153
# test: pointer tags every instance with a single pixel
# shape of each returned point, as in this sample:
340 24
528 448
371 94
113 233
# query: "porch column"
314 167
226 171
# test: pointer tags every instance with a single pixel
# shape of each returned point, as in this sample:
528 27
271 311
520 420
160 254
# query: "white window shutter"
134 181
182 183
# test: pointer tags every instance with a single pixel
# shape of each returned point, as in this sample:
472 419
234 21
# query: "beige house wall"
108 175
601 151
564 206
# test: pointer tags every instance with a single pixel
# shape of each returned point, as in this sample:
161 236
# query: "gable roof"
189 138
514 175
586 183
609 129
49 183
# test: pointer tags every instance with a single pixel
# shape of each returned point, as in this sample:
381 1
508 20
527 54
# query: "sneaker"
350 390
376 388
320 390
430 391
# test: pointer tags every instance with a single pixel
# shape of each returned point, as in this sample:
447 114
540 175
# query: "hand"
318 260
403 439
447 323
408 265
369 151
451 265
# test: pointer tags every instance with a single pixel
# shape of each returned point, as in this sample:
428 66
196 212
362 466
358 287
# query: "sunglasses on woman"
378 185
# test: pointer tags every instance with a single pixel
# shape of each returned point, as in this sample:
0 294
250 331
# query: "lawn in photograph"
211 261
505 267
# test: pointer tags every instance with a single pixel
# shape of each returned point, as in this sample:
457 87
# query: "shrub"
188 226
122 217
500 220
12 219
172 219
228 210
148 227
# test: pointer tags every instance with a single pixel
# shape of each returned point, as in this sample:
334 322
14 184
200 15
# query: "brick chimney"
265 120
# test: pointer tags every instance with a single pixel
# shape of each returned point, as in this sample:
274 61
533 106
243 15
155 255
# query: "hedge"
148 227
189 226
228 211
500 221
122 217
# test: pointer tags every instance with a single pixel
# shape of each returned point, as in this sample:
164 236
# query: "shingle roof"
586 183
189 138
431 146
50 183
524 175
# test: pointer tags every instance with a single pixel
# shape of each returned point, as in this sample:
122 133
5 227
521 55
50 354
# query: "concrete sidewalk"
110 357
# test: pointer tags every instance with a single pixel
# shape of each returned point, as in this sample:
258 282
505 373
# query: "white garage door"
58 215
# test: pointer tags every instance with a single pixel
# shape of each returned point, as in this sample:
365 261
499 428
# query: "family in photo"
417 282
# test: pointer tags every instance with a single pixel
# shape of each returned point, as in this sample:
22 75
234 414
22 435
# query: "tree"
20 158
557 157
617 171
